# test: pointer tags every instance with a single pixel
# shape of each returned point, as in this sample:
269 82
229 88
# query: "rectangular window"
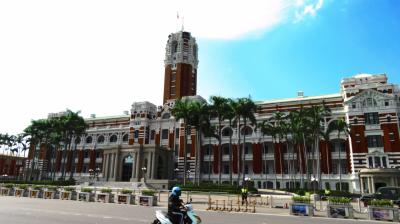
386 103
86 154
384 163
226 169
98 154
153 133
164 134
173 77
377 161
370 162
391 136
374 141
371 118
177 133
353 105
173 92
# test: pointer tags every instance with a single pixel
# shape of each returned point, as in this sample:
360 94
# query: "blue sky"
100 56
343 39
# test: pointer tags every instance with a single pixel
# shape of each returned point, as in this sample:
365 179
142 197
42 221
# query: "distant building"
10 166
148 142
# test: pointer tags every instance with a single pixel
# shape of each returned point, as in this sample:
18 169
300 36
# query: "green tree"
181 110
246 109
200 119
219 106
340 126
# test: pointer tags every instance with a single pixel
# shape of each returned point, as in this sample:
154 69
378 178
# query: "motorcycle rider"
175 206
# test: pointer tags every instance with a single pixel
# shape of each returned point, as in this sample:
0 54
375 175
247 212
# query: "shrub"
23 186
87 190
41 182
148 192
37 187
106 190
211 187
339 200
382 203
126 191
69 189
301 199
8 185
51 188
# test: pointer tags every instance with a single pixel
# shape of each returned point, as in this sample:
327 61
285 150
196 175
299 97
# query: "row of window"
101 139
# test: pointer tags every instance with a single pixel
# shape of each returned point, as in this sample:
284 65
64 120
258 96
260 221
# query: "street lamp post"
188 172
176 170
144 169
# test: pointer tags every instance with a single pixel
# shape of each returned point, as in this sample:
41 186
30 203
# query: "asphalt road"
39 211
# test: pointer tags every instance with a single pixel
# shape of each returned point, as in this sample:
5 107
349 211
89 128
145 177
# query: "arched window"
100 139
77 140
166 116
174 47
246 131
226 132
125 138
113 138
89 139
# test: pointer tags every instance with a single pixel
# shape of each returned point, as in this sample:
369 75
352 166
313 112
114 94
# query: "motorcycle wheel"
156 221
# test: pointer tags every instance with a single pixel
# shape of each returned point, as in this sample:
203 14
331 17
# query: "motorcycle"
190 216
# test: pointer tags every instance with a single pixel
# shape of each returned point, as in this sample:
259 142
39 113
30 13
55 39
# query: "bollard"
231 206
223 208
271 202
159 196
238 207
209 204
254 207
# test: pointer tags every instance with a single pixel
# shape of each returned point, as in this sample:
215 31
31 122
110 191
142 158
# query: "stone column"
138 170
112 164
361 185
372 185
116 157
105 166
134 167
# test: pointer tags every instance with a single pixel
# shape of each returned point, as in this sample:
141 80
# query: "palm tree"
71 125
181 110
267 128
218 107
36 133
340 126
230 115
246 108
299 126
279 119
200 119
316 116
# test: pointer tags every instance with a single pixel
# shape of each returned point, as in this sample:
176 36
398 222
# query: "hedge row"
41 182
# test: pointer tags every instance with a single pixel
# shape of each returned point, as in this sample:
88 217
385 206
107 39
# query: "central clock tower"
180 66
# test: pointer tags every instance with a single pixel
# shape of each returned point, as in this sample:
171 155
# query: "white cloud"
99 56
310 8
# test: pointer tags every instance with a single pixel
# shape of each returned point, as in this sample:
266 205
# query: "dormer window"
354 105
386 103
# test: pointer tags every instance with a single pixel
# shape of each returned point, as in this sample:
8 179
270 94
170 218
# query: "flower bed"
49 192
339 207
148 198
383 210
125 197
86 194
301 206
68 193
21 191
105 196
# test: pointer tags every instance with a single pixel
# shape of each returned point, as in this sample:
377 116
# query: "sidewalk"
200 202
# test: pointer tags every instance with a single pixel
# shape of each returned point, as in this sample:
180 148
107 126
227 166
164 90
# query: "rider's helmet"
176 191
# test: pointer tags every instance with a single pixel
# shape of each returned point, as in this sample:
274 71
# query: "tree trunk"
219 153
230 153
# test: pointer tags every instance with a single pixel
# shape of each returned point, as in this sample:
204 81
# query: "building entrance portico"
373 178
127 165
